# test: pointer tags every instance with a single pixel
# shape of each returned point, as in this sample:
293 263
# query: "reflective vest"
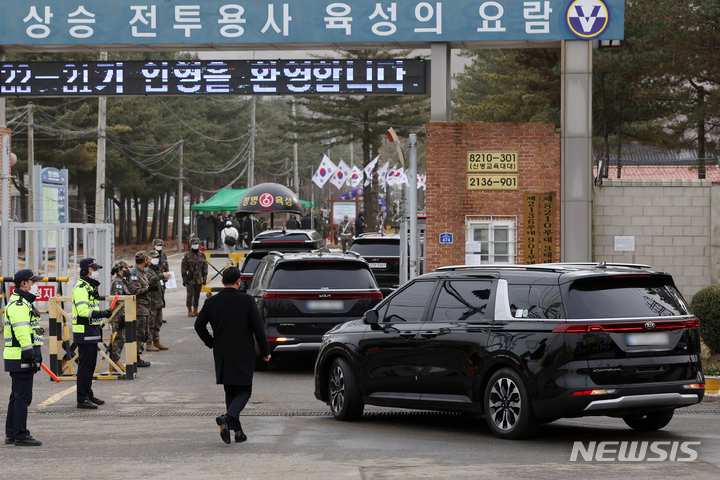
22 331
85 300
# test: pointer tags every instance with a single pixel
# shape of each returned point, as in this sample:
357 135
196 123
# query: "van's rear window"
625 297
323 274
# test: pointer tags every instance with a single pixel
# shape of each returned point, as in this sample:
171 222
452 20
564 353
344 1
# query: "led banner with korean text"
213 23
246 77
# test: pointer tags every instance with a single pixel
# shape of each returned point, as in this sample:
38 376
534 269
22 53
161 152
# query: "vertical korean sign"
539 232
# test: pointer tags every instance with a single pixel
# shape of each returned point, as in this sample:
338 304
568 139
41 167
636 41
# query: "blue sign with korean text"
211 23
52 175
446 238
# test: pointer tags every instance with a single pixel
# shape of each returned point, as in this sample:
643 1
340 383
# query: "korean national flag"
369 170
341 175
324 172
382 173
356 176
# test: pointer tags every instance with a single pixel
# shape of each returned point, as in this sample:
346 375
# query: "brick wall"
671 221
448 200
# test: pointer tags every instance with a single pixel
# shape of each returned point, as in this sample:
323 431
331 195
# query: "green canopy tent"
227 199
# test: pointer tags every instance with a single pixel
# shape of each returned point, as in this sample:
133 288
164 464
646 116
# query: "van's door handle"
428 335
408 335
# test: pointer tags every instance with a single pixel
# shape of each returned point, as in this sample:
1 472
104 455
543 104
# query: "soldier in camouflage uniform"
140 287
158 245
118 286
156 276
194 269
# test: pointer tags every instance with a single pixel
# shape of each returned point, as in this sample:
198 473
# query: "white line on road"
58 396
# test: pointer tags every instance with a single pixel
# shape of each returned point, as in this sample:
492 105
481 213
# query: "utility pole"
180 204
2 99
412 202
296 177
31 184
31 163
5 202
100 179
251 166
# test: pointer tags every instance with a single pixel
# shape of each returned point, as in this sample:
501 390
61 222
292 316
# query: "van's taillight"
246 278
593 392
321 296
637 326
694 385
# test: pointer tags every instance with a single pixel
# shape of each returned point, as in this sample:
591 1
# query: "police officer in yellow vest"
23 339
88 321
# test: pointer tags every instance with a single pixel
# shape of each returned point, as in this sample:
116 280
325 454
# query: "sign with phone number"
500 162
492 182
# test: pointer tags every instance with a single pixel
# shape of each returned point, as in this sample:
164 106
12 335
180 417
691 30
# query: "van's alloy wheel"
507 407
344 392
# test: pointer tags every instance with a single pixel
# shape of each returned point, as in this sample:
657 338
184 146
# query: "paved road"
162 425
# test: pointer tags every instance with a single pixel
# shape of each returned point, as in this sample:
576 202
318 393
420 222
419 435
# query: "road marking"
58 396
179 341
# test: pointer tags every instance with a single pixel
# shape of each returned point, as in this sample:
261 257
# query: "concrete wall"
673 222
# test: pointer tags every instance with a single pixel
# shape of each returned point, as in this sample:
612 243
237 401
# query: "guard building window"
497 240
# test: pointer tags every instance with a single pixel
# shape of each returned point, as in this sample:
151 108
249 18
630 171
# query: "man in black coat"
236 326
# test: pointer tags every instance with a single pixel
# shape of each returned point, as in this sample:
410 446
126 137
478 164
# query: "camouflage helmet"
153 254
120 264
195 241
140 256
158 242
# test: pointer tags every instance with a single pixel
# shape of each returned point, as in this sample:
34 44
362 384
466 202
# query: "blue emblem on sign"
587 19
446 238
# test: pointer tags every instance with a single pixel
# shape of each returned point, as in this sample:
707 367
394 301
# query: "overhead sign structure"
245 77
216 24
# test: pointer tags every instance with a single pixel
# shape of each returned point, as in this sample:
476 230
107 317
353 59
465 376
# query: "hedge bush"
706 307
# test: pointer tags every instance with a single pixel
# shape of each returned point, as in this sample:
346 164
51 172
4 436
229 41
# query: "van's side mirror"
371 317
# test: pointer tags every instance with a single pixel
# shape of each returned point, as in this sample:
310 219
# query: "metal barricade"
234 260
63 353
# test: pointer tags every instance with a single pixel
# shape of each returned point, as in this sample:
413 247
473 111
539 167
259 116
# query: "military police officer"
194 270
88 321
156 276
119 286
22 356
140 287
158 246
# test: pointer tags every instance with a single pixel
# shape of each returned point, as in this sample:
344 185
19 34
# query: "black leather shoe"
28 441
96 401
224 430
9 441
87 404
142 363
240 436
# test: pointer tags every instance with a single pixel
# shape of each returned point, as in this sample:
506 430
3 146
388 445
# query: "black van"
303 295
523 345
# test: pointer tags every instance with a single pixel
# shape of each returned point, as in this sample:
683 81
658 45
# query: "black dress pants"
20 399
236 397
86 370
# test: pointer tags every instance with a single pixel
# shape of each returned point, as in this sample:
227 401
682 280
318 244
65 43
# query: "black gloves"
27 355
106 313
121 323
153 288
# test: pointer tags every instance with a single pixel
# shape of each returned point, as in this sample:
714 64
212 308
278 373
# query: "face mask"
95 274
155 261
158 248
34 290
195 247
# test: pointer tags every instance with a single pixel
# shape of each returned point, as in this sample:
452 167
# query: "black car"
277 240
523 345
382 252
303 295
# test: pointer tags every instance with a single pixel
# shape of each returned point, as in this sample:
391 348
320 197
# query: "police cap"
89 263
25 275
